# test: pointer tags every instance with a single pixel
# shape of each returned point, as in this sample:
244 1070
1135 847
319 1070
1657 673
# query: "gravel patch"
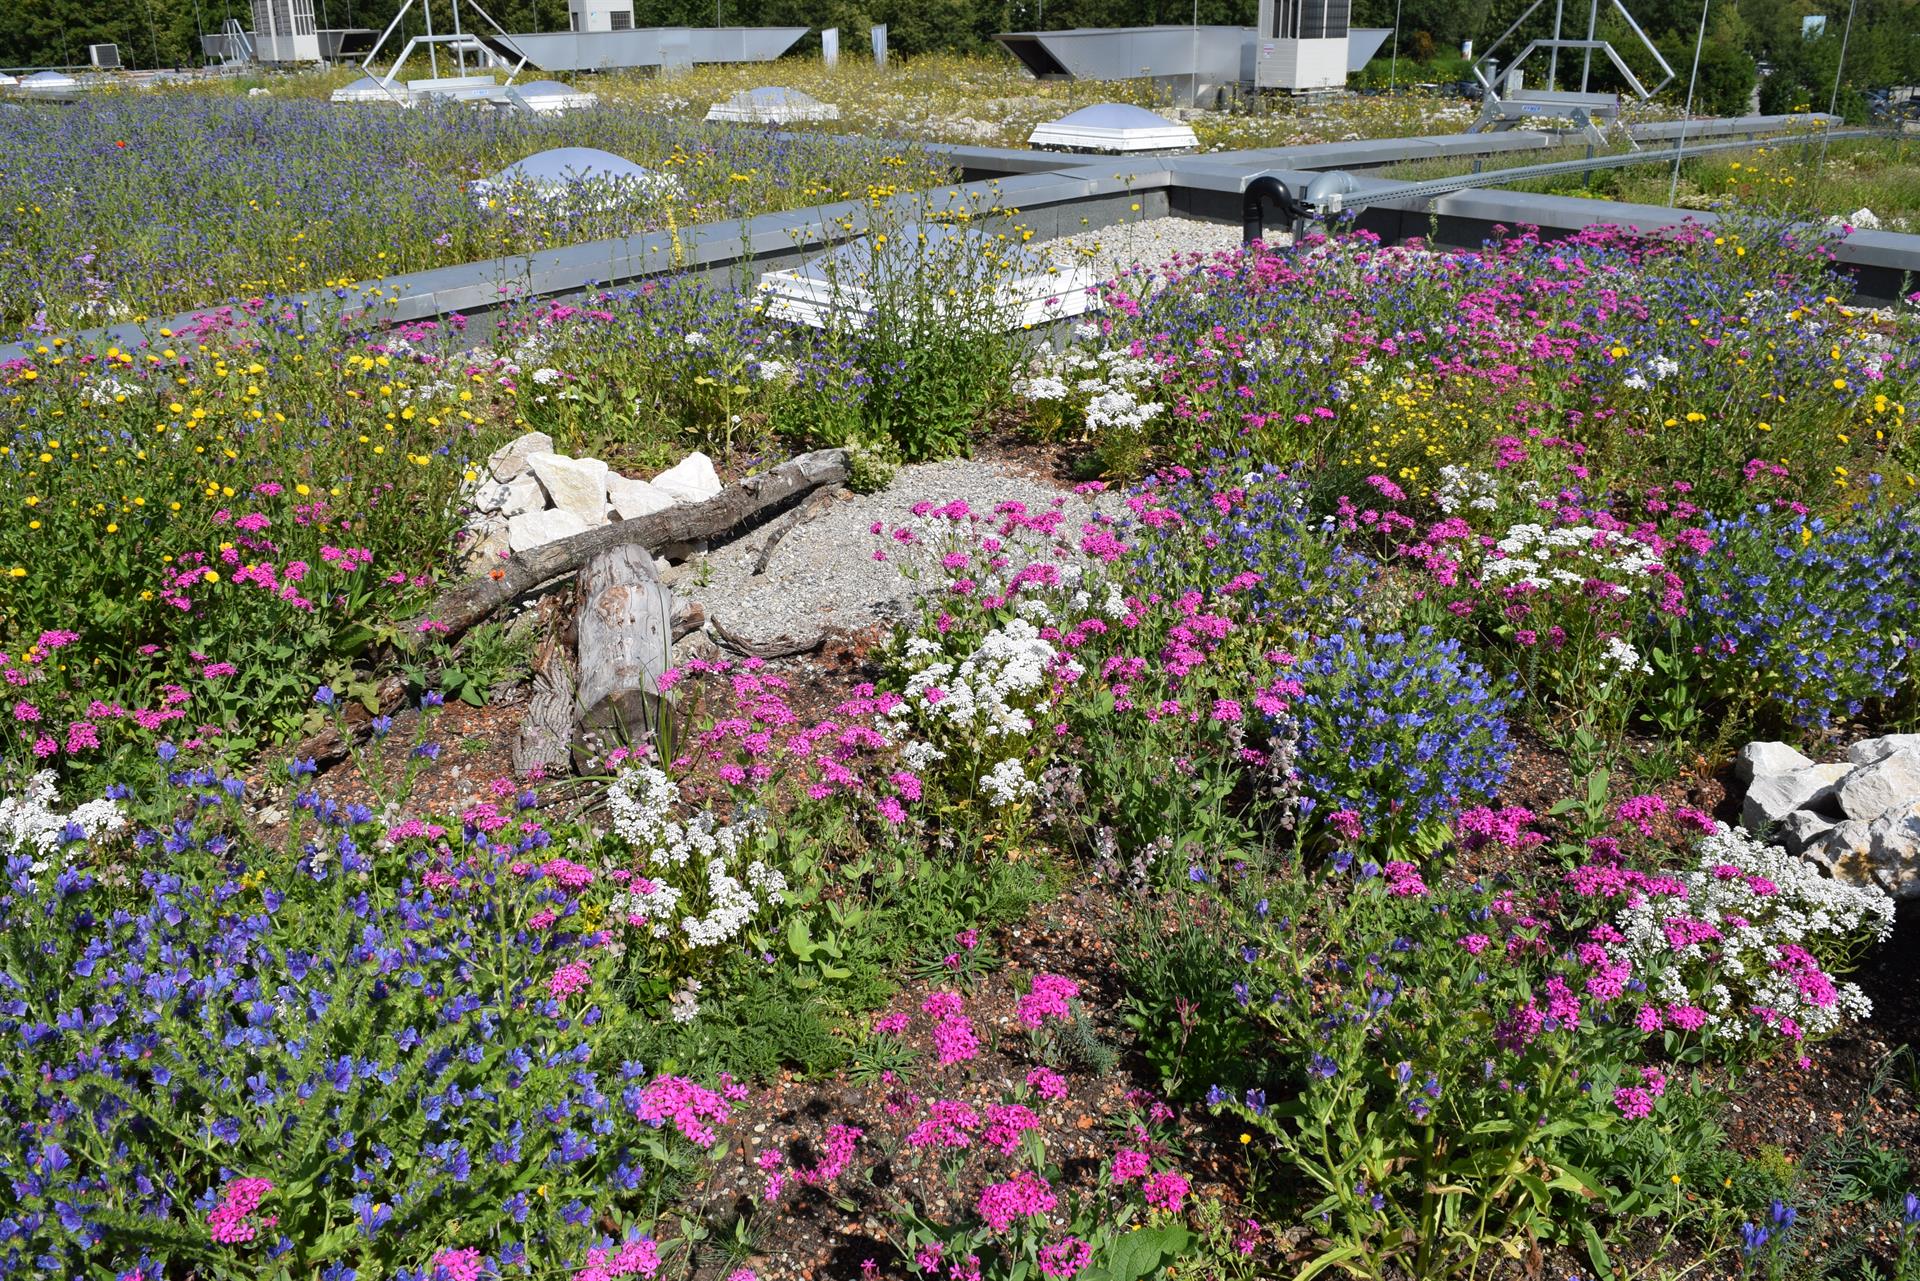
822 574
1153 241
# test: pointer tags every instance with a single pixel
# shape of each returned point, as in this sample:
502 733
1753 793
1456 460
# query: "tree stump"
624 624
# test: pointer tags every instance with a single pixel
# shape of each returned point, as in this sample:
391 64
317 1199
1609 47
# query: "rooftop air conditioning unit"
104 56
1301 45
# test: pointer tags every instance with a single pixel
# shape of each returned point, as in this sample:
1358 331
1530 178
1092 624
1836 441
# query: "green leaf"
1141 1254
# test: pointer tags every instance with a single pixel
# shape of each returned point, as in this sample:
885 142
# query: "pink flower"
690 1109
1129 1164
1065 1259
572 977
1347 824
1051 998
950 1123
892 1024
639 1258
1474 943
465 1264
1024 1195
232 1221
1047 1084
1166 1190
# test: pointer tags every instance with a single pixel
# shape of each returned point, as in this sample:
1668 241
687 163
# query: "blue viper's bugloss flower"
1819 617
1401 729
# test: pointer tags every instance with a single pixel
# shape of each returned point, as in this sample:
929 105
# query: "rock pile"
1858 818
527 495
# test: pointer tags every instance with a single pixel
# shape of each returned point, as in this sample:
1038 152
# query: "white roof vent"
48 80
1113 127
1006 286
544 97
772 105
570 171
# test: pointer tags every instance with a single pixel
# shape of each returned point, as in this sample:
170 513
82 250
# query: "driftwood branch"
465 604
783 647
815 503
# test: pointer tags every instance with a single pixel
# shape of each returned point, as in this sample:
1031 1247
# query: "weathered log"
462 606
811 506
779 647
544 743
624 623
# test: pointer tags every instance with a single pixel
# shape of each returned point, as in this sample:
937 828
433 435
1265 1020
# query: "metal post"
1833 103
1593 25
1553 52
433 50
1673 186
1393 68
459 44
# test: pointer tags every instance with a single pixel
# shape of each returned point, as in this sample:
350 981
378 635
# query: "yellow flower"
18 571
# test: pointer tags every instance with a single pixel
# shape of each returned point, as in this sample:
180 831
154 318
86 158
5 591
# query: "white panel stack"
976 277
548 97
772 105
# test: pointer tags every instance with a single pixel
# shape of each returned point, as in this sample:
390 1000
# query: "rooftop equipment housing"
1197 64
1302 45
284 31
104 56
1113 127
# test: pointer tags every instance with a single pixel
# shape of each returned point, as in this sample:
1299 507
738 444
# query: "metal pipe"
1262 190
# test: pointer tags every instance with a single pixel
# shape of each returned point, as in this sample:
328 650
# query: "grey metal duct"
1362 44
1198 58
645 47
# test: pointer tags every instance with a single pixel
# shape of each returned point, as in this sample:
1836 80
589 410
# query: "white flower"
29 821
1006 783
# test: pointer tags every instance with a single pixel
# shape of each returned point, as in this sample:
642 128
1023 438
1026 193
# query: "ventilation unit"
1301 45
283 31
104 56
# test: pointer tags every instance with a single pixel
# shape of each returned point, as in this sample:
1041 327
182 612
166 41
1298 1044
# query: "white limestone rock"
510 459
1774 796
514 497
1890 782
1893 842
536 529
691 480
629 499
1765 759
1802 828
1869 750
576 485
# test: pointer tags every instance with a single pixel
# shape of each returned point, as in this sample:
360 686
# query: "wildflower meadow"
1364 772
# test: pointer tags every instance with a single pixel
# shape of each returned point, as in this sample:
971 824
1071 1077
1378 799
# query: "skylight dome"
1113 127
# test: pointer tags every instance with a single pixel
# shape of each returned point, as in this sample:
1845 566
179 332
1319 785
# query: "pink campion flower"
46 745
690 1109
232 1221
639 1258
1641 811
1166 1190
950 1123
1065 1259
82 736
25 712
1025 1195
58 638
1347 824
1130 1164
214 671
1050 998
574 976
1633 1102
1403 880
1474 943
892 1024
465 1264
1006 1123
1047 1084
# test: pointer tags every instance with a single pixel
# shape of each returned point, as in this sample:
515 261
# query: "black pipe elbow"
1260 192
